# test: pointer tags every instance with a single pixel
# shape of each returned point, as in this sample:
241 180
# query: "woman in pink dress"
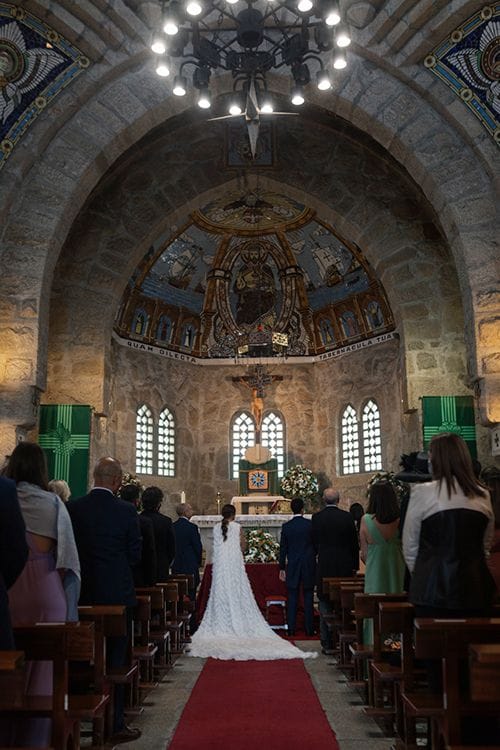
47 589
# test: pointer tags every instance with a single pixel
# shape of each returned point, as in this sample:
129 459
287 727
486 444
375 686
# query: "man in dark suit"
145 571
151 500
188 551
13 554
298 565
109 545
336 543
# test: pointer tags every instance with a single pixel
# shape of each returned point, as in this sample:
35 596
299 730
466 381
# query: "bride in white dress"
233 626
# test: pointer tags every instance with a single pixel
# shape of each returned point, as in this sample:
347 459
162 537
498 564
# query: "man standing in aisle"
188 551
298 565
336 543
109 545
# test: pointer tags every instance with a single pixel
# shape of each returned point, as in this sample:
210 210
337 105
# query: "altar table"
264 580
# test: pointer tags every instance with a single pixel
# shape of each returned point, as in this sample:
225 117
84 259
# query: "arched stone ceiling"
385 92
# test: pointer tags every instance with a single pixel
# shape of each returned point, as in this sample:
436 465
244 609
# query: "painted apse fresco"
253 274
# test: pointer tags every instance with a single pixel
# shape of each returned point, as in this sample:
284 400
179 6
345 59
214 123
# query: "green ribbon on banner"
64 434
449 414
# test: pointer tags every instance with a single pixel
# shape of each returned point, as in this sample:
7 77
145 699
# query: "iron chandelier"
249 38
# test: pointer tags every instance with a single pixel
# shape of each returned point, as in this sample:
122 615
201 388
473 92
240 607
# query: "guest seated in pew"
109 542
447 534
151 500
47 589
145 571
380 544
13 554
188 551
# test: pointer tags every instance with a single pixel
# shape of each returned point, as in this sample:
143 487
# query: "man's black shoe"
127 734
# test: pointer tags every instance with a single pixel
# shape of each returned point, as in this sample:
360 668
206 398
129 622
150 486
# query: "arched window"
372 439
166 444
273 437
144 438
350 441
242 437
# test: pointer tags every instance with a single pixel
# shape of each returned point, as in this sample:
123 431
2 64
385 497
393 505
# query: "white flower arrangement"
400 488
299 482
262 547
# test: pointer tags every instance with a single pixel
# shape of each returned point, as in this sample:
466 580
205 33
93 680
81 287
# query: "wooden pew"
173 623
109 620
12 678
366 608
59 643
448 640
143 649
331 587
484 672
386 676
159 633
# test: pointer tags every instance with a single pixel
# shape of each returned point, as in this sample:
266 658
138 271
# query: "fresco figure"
140 322
374 314
349 324
164 330
254 286
327 334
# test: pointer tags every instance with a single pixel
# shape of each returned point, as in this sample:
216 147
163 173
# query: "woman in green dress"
380 545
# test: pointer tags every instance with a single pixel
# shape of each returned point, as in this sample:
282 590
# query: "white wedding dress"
233 626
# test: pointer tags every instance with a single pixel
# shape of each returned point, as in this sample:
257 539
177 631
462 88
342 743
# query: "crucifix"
256 381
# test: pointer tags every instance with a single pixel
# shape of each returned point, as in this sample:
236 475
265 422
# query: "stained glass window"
273 437
350 441
242 437
166 444
144 439
372 438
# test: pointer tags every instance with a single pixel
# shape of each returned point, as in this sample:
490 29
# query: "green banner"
64 434
449 414
269 469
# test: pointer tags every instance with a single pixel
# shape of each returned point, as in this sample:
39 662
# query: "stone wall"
204 398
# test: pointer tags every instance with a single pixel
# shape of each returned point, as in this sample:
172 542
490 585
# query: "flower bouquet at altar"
262 547
300 482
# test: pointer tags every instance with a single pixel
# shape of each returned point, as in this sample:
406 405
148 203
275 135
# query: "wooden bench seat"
60 643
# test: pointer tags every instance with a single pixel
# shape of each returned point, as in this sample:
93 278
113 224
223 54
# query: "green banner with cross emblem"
449 414
64 435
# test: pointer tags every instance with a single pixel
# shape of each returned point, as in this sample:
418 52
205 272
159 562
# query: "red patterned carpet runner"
253 705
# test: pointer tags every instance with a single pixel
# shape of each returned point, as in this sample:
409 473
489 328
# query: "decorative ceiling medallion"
36 63
259 210
468 61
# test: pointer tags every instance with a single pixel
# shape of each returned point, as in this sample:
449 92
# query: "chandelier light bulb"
340 62
162 68
180 87
304 6
193 8
231 2
235 109
323 81
158 45
267 107
170 26
343 39
204 100
332 18
297 96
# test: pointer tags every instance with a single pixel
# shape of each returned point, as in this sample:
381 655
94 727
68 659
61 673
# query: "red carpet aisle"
253 705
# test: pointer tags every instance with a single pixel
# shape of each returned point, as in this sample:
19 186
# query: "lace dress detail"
233 626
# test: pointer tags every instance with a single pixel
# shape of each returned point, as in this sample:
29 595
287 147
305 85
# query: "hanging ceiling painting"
253 274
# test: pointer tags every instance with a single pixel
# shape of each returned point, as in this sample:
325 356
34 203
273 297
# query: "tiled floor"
341 704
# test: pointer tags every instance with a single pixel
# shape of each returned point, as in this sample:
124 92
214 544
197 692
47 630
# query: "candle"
183 497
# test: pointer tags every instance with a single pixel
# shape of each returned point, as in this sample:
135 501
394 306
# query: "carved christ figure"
257 407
